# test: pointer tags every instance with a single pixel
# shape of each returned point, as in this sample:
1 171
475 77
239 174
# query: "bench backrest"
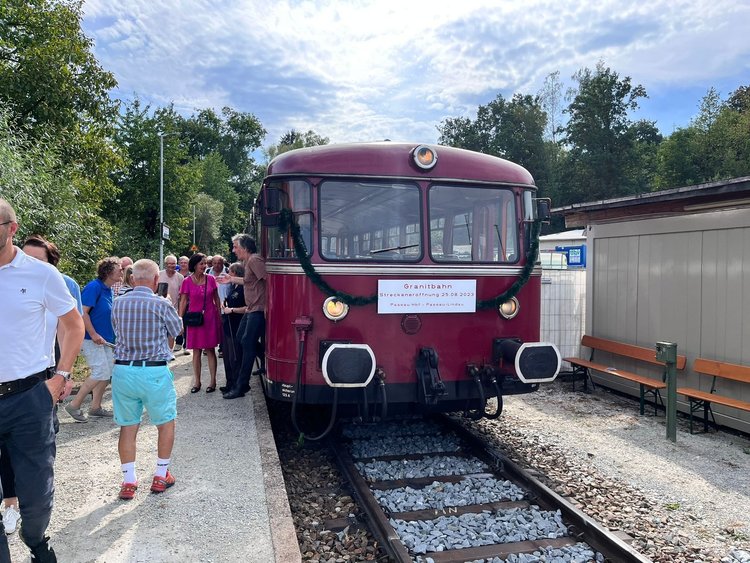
722 369
627 350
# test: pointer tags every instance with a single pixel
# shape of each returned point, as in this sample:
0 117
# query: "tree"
208 213
45 194
55 88
134 211
234 136
294 140
598 135
511 129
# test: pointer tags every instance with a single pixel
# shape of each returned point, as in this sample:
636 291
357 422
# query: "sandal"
210 388
196 388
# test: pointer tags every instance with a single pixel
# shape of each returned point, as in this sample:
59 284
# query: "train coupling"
533 362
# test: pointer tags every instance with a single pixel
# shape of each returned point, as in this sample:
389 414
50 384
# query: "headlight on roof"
424 157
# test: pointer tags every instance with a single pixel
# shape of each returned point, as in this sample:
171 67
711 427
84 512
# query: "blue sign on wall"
576 255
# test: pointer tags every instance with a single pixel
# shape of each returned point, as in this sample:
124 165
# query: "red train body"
416 242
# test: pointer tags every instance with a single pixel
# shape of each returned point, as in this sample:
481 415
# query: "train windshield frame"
477 224
370 220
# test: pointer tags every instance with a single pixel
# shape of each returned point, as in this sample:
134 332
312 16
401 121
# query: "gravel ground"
683 501
211 514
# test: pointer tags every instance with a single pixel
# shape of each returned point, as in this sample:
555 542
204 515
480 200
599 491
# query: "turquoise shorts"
134 388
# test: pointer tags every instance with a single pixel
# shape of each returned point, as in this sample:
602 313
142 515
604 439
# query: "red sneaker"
161 484
127 491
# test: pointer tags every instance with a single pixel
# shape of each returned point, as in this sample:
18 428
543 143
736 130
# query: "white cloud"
373 69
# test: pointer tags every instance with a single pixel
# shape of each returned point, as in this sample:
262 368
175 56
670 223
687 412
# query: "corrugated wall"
677 279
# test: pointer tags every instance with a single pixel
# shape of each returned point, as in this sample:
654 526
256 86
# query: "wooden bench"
702 400
647 385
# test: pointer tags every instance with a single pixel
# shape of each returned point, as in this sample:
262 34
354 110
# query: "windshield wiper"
379 250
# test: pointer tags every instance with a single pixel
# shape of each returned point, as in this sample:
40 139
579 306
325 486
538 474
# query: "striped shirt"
142 322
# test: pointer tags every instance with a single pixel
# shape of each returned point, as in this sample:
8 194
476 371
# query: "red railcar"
401 278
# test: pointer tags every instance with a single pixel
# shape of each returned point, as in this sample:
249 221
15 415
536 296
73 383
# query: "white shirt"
28 289
222 287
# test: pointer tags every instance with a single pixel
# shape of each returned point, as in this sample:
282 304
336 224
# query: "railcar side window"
294 195
473 224
370 221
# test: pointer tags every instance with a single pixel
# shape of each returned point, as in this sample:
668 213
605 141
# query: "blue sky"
367 70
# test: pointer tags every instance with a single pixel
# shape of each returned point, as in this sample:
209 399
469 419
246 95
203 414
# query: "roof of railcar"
395 159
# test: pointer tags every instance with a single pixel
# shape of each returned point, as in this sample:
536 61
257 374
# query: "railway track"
433 491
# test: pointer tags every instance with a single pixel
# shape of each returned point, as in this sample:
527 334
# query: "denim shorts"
100 358
135 387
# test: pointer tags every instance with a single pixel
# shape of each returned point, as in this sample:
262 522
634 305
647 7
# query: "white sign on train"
427 296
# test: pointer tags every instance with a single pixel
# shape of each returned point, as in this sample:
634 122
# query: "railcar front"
401 278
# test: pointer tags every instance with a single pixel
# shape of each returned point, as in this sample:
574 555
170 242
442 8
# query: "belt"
141 363
18 385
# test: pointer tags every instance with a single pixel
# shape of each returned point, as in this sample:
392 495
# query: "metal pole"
193 225
161 200
667 353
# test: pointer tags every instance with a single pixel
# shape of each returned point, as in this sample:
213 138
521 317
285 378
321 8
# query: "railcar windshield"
370 221
473 224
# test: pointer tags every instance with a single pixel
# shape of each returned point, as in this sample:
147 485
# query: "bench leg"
658 401
643 398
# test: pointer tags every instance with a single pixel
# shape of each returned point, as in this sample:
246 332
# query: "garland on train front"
287 223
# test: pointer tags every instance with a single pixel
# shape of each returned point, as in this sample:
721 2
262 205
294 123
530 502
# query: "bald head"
146 273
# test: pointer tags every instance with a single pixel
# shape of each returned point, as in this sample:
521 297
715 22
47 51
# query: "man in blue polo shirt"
28 289
100 337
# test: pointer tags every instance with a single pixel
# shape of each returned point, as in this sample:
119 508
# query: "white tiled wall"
564 309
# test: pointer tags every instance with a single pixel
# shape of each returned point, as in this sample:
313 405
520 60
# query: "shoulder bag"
196 318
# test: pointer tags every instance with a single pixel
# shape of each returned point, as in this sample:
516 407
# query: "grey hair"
145 270
7 213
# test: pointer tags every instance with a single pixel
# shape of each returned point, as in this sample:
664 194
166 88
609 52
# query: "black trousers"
252 326
27 432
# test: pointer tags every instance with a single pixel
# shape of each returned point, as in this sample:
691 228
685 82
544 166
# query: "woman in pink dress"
199 293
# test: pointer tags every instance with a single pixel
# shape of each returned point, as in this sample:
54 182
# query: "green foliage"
56 90
715 146
208 219
294 140
135 210
511 129
602 147
234 136
45 194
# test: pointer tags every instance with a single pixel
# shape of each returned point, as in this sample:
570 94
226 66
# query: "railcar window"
473 224
370 221
295 195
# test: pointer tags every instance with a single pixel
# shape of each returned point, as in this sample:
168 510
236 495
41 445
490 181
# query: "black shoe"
223 388
233 394
261 371
43 553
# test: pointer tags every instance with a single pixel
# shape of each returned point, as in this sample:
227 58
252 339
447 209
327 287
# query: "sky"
370 70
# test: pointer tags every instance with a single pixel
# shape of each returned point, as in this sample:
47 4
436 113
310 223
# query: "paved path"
229 502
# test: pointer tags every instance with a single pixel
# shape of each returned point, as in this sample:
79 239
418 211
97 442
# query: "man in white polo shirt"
28 289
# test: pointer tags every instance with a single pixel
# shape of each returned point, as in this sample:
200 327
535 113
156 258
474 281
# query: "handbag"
196 317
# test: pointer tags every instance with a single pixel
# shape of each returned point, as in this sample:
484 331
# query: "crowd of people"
127 323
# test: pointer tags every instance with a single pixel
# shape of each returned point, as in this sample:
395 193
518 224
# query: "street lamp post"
161 199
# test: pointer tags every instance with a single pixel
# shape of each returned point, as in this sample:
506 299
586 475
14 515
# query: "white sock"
161 467
128 472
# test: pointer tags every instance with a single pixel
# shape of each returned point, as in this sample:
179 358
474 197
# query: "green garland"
287 223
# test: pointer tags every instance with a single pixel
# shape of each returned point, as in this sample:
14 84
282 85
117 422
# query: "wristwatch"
65 374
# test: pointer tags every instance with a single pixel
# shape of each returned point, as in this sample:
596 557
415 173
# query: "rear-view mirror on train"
543 210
